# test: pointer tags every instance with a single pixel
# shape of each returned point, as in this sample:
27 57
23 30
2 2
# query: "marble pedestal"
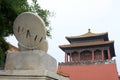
30 65
30 60
30 75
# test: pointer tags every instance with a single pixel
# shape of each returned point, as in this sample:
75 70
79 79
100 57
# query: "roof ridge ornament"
89 30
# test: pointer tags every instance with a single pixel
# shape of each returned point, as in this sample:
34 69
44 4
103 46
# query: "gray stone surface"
29 29
30 75
30 65
30 60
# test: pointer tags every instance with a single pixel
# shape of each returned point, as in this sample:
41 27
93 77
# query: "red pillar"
92 55
66 57
79 56
102 54
109 56
70 56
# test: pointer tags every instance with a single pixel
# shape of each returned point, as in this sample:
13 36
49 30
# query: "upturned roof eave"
86 44
86 36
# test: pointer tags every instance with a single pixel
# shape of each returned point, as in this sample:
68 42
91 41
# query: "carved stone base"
30 60
30 65
30 75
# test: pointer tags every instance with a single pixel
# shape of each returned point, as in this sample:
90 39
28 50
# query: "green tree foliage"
44 14
3 48
9 10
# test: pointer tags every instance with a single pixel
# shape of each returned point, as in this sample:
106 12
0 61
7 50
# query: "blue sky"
74 17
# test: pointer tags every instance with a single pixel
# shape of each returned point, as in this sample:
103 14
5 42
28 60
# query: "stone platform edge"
31 73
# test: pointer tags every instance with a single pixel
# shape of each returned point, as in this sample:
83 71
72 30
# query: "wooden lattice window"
86 55
98 55
75 56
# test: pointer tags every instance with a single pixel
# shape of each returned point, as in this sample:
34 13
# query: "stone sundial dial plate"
29 29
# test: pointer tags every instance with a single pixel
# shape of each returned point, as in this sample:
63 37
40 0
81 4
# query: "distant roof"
86 44
79 41
88 34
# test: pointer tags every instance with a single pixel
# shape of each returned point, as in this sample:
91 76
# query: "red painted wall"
91 72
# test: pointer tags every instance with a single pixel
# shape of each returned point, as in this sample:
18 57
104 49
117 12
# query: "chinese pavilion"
89 57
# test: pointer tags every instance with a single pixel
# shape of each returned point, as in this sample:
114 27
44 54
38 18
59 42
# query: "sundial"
29 29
